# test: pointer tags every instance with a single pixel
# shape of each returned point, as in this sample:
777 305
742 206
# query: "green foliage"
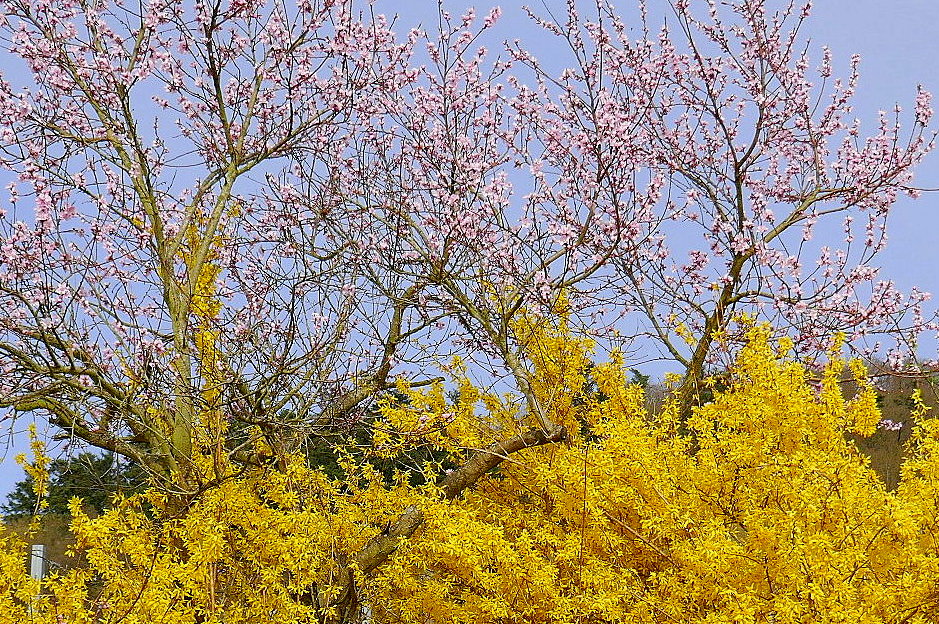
93 478
326 453
636 378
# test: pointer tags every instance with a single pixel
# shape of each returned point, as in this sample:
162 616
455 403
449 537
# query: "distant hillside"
886 448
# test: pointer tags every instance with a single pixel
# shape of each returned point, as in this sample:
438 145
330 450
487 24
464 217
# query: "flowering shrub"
765 514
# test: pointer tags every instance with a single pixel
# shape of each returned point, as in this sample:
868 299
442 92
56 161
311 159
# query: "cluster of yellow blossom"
770 515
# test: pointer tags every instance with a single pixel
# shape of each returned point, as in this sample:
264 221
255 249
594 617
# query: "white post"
37 562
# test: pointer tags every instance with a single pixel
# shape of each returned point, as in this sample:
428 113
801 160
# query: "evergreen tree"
93 478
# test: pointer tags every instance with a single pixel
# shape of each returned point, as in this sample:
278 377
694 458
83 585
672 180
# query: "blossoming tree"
258 217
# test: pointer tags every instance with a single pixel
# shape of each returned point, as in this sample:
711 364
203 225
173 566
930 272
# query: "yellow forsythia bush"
764 514
767 514
245 550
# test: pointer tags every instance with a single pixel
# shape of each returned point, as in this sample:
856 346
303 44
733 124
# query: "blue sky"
899 47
